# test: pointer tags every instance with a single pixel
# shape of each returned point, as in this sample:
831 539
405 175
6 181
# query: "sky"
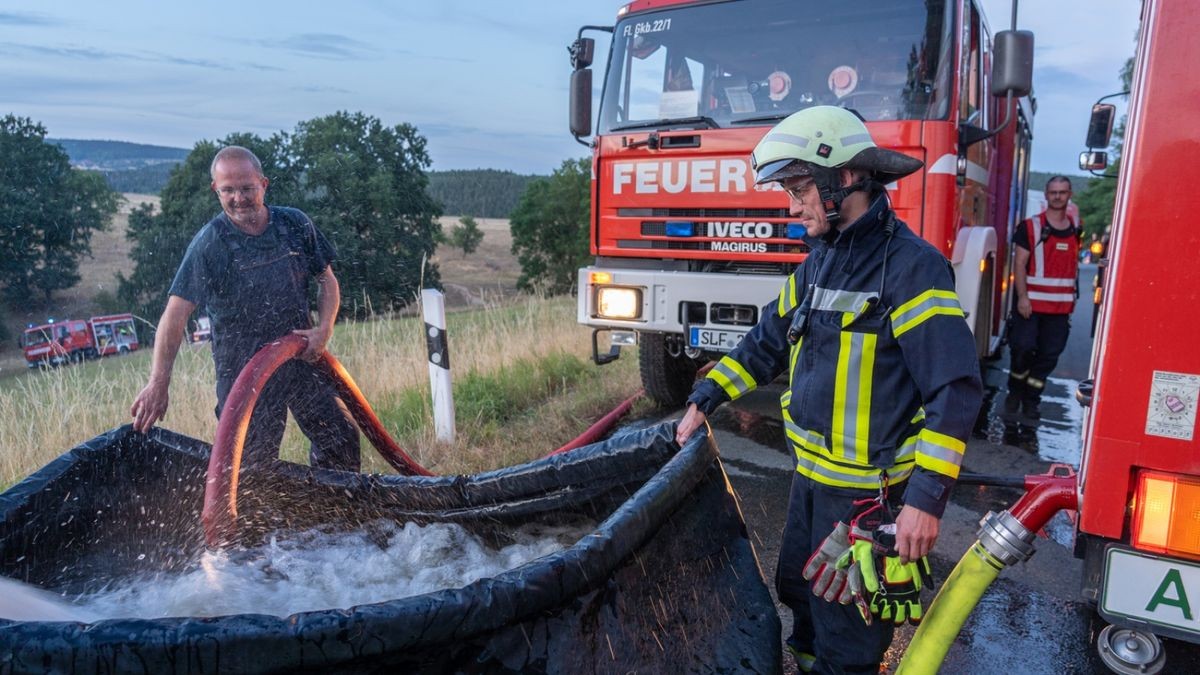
484 82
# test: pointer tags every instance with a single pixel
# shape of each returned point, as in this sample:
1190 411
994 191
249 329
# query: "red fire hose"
219 516
220 491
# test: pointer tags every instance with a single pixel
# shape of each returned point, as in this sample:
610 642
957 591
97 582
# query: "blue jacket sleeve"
759 358
939 352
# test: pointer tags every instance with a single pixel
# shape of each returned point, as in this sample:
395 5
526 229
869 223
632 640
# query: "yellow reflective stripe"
837 431
814 466
939 453
787 296
931 303
851 424
866 374
792 367
732 377
813 461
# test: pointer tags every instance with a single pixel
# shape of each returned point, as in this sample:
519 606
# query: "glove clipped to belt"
891 588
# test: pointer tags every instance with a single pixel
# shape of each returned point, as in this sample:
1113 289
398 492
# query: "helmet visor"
782 169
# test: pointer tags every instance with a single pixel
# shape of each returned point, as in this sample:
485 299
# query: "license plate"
1161 591
712 338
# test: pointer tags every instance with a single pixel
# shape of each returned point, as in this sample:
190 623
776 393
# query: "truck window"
971 101
761 58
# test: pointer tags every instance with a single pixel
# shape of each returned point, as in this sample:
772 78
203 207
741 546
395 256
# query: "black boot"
1031 402
1012 401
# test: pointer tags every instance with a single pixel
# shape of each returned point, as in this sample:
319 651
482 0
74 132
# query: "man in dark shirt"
250 267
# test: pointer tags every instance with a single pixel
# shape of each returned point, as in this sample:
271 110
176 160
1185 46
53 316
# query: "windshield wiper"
773 117
709 123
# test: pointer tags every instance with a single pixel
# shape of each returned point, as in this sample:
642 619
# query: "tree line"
482 193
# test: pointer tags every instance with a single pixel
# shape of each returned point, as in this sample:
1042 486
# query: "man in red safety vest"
1046 263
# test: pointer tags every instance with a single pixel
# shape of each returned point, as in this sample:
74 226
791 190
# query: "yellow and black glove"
891 589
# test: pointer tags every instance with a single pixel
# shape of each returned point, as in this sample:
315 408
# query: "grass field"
524 383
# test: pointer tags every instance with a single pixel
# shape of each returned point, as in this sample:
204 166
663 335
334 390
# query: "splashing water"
315 570
22 602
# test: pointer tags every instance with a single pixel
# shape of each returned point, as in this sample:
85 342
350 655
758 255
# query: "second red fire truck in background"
58 342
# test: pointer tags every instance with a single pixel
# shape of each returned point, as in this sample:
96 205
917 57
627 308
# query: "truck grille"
702 213
796 248
658 228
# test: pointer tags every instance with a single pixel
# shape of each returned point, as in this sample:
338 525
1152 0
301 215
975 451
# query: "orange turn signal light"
1097 248
1166 514
601 277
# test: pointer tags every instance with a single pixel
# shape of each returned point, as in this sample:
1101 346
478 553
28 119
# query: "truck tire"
667 379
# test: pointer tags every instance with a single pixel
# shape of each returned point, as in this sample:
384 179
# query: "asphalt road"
1032 620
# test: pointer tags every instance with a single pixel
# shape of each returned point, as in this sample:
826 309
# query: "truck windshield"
35 338
756 61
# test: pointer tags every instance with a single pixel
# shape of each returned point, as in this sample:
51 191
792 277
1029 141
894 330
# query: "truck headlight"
615 302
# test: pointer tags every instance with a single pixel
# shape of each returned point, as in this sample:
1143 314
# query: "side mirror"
581 103
1012 63
1100 126
1093 160
582 51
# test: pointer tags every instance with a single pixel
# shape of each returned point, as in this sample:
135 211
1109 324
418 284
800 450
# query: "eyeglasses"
244 190
798 190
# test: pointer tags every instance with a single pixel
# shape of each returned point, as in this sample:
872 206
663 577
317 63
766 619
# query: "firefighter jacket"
883 378
1053 265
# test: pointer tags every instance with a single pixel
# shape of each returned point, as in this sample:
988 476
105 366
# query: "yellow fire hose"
1005 539
953 604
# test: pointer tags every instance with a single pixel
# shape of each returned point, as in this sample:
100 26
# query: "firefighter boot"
1017 391
1031 401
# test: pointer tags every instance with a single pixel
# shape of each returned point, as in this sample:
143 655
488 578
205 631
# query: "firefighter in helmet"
883 391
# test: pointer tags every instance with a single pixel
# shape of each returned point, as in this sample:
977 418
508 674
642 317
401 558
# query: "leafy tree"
364 184
48 212
466 235
550 228
160 238
1097 200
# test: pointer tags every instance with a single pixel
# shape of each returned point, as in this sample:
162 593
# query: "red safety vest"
1053 267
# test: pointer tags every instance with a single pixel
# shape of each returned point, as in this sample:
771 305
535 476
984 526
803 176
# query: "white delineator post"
433 307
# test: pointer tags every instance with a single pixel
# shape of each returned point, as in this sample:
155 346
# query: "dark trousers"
321 415
1036 343
836 634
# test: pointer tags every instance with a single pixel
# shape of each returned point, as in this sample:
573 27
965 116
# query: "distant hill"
136 167
117 155
128 167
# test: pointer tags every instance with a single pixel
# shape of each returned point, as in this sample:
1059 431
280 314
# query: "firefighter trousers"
1036 344
835 634
320 414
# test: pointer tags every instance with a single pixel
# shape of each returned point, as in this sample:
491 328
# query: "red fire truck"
58 342
688 249
1139 483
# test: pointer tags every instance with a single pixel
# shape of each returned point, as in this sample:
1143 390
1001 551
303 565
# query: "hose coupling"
1003 536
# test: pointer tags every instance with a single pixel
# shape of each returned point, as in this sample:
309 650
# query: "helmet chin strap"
832 194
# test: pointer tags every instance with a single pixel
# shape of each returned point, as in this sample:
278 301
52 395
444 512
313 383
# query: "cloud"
95 55
319 89
27 19
324 46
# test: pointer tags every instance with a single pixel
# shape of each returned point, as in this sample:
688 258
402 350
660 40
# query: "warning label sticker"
1172 410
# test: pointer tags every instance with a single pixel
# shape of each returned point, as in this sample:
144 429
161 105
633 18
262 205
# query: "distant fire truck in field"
58 342
688 249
